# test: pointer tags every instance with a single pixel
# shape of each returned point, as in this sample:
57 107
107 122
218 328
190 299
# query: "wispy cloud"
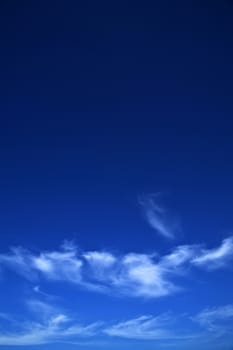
216 319
37 289
19 259
216 324
131 274
145 328
215 258
157 217
141 276
48 326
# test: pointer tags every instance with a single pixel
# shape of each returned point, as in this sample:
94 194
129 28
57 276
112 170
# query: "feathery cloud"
215 258
131 274
216 319
157 217
143 327
50 326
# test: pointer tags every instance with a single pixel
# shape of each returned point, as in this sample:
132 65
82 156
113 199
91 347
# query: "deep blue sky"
102 103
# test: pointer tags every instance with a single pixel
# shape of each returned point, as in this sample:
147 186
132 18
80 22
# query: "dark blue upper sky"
104 102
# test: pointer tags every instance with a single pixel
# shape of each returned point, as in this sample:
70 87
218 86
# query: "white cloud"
215 258
61 265
157 217
18 259
132 274
102 259
148 328
216 319
42 310
50 326
216 322
144 327
100 264
179 256
141 276
52 332
37 290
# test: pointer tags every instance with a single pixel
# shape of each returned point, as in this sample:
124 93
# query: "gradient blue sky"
116 146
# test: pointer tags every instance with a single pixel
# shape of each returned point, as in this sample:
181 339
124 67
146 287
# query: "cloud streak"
50 326
146 328
54 326
157 217
215 258
131 274
216 319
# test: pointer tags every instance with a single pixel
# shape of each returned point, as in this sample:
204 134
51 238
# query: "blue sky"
116 175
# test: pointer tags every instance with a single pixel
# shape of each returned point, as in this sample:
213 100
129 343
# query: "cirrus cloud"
131 274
